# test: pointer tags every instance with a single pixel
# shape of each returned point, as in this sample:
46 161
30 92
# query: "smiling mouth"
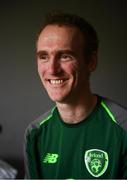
56 81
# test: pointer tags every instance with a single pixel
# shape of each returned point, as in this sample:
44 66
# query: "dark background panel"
22 98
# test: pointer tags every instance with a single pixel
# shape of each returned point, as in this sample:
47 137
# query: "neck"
78 111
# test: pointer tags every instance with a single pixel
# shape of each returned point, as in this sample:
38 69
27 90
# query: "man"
84 136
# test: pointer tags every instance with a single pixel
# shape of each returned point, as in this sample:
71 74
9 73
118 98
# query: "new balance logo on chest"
50 158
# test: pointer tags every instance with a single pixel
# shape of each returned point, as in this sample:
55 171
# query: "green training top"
94 148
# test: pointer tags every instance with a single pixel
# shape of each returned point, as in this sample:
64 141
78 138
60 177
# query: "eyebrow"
58 52
41 52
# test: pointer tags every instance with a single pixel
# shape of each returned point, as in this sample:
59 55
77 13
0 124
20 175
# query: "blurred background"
22 98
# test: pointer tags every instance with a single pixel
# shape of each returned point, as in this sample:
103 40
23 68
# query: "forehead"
60 33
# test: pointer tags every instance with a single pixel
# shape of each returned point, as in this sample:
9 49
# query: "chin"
59 96
56 99
61 99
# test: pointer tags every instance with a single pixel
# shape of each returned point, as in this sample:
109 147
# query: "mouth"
56 81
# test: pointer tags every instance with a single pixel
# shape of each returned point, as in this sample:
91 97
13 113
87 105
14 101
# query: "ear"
93 61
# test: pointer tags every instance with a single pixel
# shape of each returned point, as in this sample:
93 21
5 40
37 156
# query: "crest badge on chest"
96 162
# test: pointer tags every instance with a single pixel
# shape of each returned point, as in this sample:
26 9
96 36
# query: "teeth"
56 81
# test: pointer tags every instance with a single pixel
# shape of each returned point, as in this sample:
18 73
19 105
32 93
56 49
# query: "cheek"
40 68
71 69
41 72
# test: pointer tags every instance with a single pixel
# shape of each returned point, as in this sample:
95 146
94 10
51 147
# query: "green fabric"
108 111
57 150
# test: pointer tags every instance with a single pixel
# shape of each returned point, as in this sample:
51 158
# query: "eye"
66 57
42 57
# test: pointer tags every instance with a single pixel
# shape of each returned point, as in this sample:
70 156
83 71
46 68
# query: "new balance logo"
50 158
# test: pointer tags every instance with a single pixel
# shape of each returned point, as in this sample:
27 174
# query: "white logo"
96 162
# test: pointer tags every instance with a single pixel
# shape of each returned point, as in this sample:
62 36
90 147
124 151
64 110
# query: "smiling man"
84 136
61 64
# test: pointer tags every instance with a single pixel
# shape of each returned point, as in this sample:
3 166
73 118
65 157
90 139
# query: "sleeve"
120 114
30 155
124 158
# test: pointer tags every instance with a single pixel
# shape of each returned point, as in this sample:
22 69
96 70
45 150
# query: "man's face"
61 63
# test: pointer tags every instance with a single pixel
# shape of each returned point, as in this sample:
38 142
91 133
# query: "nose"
54 67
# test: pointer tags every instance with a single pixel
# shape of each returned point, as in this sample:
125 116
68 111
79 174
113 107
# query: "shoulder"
35 125
117 112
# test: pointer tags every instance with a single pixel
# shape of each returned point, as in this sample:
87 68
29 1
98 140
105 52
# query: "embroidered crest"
96 162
